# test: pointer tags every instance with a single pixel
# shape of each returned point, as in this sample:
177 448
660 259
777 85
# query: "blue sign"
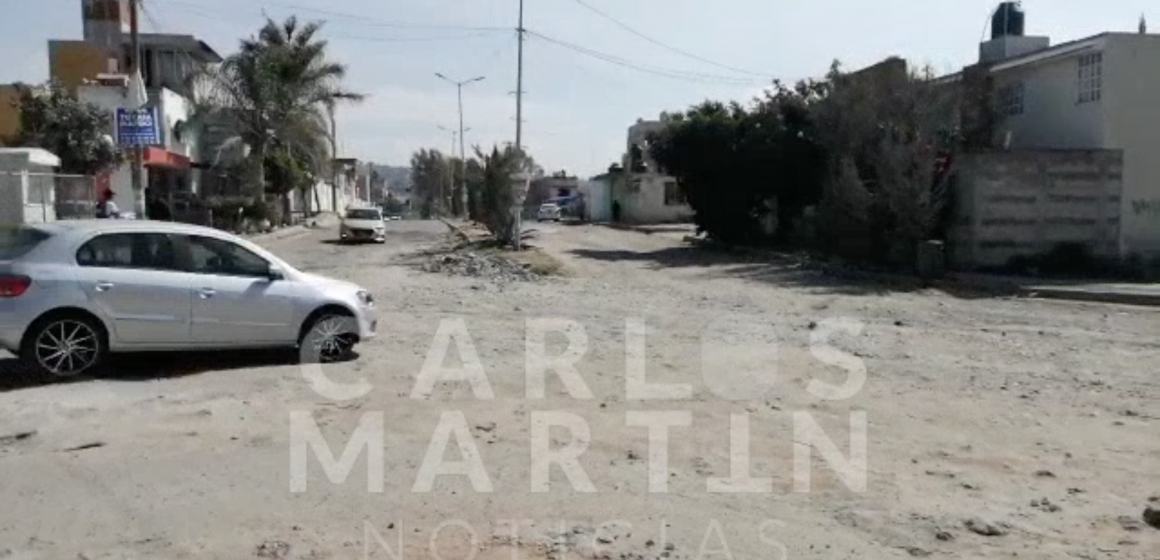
138 128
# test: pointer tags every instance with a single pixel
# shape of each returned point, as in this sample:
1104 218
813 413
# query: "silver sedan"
73 291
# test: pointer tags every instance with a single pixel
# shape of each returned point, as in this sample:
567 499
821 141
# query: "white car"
71 292
363 224
548 213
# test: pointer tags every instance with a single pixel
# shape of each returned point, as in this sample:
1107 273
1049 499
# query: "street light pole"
136 164
462 155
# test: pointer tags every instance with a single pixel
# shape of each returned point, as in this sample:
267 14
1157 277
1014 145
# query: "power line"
189 9
150 16
665 72
359 19
687 54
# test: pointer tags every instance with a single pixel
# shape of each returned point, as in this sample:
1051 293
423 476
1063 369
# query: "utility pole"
520 80
446 199
333 160
135 39
369 182
462 163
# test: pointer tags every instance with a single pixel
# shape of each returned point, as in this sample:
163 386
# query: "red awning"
160 157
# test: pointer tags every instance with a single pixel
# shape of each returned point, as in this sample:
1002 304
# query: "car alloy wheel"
67 347
331 338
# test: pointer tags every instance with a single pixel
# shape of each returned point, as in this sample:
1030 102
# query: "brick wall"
1025 203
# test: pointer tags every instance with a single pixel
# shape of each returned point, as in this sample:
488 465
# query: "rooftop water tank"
1007 21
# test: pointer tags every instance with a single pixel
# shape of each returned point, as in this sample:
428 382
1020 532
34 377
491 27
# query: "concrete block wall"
1025 203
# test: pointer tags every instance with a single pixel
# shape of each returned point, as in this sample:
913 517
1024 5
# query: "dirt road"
993 427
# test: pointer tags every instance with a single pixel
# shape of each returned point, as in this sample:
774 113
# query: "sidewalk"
321 221
1099 292
649 229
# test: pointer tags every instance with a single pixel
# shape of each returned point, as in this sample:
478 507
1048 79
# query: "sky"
587 76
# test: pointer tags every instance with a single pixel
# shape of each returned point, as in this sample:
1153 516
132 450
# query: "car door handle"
206 293
104 286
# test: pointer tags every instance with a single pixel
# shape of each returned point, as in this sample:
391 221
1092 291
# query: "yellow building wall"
9 113
71 63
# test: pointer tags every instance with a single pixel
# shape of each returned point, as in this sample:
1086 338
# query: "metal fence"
45 197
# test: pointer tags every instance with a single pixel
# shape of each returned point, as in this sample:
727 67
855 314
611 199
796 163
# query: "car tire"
64 345
330 337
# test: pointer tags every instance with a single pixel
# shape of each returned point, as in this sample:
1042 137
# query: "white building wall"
1127 117
172 108
11 197
324 200
597 200
1052 119
1132 100
643 201
27 187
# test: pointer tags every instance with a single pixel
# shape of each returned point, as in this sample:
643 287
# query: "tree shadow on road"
149 366
783 270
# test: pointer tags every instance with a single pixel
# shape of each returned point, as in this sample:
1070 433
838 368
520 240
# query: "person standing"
106 207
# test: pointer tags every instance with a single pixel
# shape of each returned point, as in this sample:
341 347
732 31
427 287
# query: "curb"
1065 294
660 228
952 281
278 234
458 231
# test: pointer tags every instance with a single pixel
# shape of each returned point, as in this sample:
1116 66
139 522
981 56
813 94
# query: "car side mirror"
275 273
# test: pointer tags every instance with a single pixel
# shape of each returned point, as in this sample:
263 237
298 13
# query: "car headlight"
366 298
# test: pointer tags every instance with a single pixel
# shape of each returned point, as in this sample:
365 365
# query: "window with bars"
1011 99
1091 75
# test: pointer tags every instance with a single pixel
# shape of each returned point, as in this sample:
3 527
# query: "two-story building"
1096 93
643 193
95 69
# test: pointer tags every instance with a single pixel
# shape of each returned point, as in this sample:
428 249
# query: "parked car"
548 212
71 292
363 224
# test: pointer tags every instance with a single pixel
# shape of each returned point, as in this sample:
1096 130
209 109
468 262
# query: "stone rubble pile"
474 265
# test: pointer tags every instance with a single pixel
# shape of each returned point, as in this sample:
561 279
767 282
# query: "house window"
1091 75
1011 99
673 194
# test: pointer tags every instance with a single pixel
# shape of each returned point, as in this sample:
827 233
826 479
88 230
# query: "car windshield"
16 241
364 214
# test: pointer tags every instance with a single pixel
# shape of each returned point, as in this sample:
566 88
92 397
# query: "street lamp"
454 134
451 180
462 156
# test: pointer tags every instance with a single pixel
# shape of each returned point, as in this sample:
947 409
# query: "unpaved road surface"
1037 423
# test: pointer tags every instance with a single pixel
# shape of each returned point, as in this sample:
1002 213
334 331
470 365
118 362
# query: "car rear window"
16 241
363 215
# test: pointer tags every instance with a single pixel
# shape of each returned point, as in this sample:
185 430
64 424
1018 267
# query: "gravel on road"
809 418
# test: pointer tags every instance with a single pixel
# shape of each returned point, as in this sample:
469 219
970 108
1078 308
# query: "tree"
742 169
78 133
429 179
277 89
886 131
497 198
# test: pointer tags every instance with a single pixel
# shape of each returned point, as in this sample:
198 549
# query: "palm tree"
276 90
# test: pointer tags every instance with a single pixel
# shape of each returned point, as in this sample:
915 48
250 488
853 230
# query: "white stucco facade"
27 193
648 197
176 138
1097 93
